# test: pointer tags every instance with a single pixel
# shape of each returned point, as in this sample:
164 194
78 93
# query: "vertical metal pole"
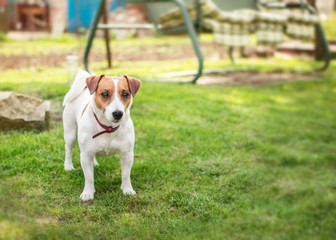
192 34
324 40
92 32
198 24
107 37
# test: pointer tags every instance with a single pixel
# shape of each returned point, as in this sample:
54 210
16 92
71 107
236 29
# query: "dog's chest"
107 152
110 145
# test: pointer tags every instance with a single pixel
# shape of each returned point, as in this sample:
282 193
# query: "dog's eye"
125 95
104 95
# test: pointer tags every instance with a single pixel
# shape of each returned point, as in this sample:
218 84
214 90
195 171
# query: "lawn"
211 162
329 28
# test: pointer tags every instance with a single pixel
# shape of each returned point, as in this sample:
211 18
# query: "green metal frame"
189 26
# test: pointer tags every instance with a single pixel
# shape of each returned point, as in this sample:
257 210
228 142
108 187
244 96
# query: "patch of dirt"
27 61
156 52
170 52
138 53
255 79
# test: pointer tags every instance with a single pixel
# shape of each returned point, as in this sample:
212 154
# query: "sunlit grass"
211 162
329 27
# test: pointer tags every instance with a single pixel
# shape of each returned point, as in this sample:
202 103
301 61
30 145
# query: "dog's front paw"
68 167
85 196
128 190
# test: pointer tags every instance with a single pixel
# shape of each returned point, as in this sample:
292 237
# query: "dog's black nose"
117 115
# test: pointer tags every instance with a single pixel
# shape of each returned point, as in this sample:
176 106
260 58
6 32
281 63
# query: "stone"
23 111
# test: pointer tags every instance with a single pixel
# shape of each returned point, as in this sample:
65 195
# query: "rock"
23 111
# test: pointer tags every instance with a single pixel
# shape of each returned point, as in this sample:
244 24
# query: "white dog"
97 112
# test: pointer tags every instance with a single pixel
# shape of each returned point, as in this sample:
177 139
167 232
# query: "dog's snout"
117 115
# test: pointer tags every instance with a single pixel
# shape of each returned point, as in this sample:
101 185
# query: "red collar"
107 129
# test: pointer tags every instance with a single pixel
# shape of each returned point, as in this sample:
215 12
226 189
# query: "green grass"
211 162
329 27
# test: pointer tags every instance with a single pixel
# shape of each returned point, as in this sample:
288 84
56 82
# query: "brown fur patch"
105 85
133 84
84 109
92 82
124 90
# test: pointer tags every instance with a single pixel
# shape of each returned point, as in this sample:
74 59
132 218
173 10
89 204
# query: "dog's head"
113 95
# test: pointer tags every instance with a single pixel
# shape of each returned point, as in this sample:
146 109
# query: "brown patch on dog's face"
92 82
133 84
104 92
124 92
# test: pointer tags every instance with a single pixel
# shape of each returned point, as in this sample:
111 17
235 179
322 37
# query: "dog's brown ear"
133 84
92 82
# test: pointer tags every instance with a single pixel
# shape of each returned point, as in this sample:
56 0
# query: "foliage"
3 37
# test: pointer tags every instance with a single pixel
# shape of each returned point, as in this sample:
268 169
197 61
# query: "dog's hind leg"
70 135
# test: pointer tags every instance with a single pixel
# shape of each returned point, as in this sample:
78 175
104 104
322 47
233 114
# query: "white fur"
85 126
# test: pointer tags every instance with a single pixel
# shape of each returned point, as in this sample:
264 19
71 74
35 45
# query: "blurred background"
249 152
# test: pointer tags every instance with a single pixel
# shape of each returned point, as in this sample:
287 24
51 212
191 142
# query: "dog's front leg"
87 161
126 161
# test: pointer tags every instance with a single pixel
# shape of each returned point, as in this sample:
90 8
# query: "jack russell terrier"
97 112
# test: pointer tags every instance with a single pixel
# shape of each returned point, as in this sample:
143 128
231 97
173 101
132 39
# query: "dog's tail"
77 87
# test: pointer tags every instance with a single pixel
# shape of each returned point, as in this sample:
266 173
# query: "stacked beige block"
269 27
234 28
300 25
231 28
